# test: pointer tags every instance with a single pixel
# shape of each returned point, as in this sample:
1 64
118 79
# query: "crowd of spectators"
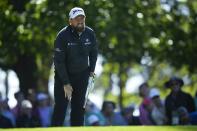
178 108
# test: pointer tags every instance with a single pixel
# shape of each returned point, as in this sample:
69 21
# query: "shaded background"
139 40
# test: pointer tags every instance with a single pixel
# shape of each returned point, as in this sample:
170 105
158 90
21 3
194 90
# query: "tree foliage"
126 30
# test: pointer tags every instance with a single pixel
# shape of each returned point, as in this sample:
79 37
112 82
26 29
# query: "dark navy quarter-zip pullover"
74 52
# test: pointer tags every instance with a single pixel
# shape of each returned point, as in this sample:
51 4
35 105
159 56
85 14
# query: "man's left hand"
92 74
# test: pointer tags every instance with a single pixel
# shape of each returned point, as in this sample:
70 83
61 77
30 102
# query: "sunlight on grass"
111 128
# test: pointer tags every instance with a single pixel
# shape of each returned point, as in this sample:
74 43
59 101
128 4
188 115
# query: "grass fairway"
110 128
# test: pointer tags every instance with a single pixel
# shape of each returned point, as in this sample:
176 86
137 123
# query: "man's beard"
80 27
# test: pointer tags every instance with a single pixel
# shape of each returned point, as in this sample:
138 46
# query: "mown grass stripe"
110 128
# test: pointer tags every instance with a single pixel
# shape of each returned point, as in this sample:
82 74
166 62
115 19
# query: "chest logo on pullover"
58 50
69 44
87 42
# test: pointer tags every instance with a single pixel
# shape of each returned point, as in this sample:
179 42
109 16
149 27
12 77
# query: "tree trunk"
43 83
6 84
108 90
121 85
122 82
25 69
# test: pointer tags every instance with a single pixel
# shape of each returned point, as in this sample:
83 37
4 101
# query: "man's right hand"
68 91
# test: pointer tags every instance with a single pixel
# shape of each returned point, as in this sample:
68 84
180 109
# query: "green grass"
110 128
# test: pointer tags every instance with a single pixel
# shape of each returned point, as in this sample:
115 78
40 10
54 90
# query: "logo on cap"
76 11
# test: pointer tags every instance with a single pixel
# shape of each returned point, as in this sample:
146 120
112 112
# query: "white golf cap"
76 11
154 92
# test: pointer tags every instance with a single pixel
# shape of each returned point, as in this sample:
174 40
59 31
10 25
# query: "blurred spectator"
31 96
26 117
6 112
93 116
112 117
186 118
19 98
44 109
195 100
149 106
93 120
176 99
144 113
5 121
127 114
158 112
193 118
183 114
